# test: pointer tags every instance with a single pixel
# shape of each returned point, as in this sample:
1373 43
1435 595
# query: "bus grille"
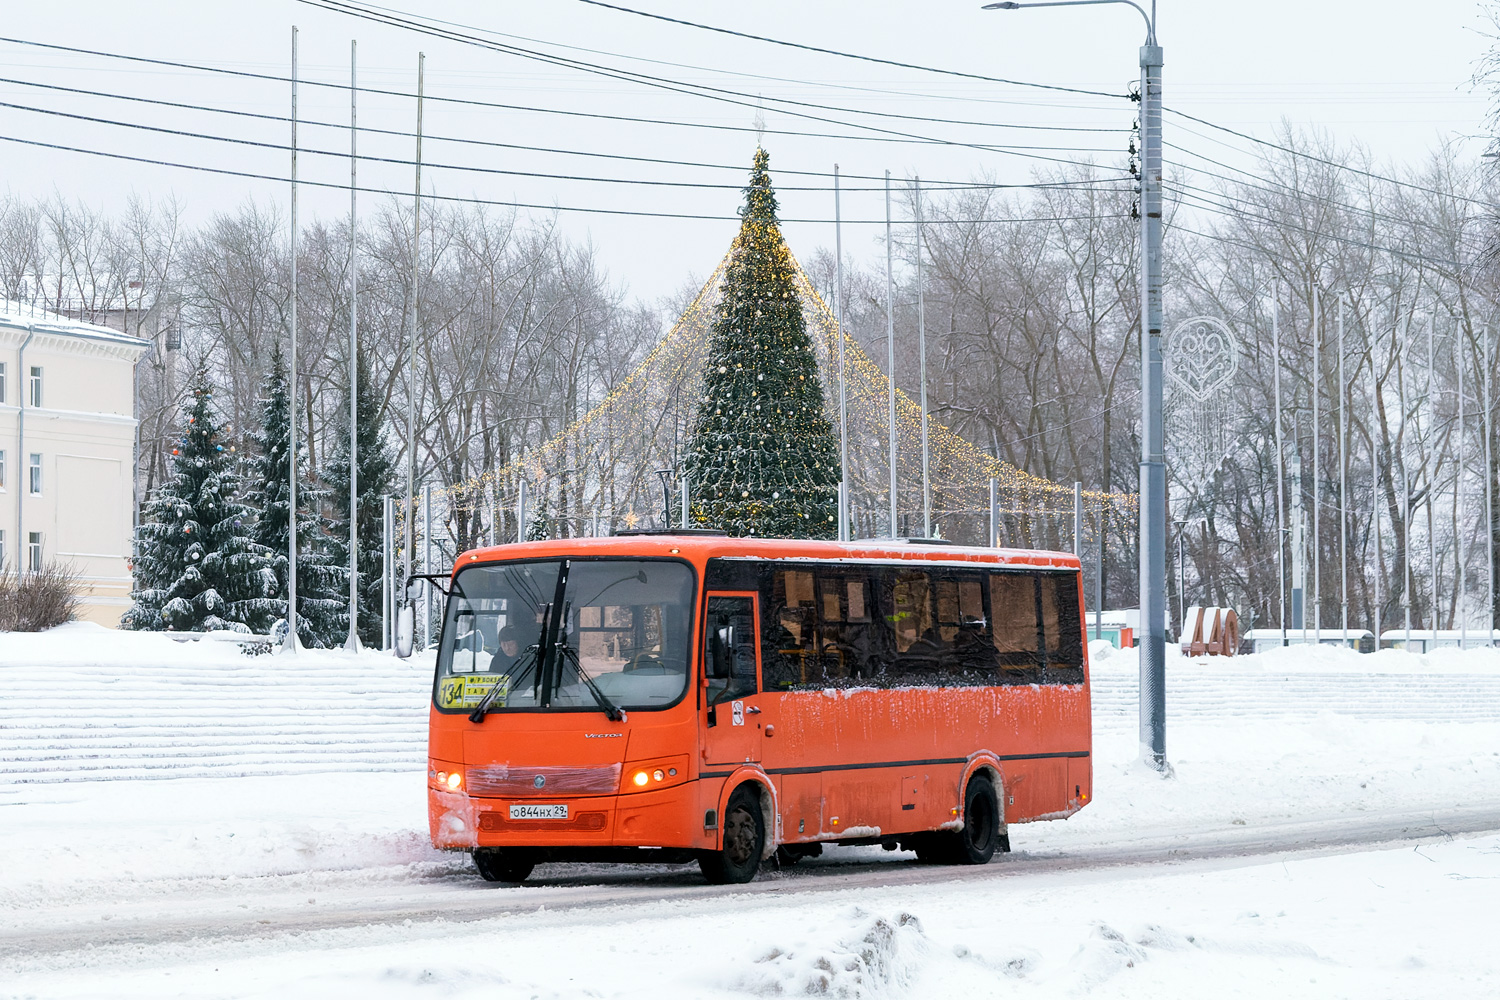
502 779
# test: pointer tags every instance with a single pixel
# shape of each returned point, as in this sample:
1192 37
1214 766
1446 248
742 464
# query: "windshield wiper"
611 710
482 709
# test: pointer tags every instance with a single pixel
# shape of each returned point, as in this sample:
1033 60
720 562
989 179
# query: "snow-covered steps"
81 704
1215 691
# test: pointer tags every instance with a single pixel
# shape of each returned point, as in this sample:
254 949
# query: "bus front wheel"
976 843
503 866
744 841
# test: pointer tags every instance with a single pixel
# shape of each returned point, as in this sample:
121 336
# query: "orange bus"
669 697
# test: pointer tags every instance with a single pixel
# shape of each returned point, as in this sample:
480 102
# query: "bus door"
732 723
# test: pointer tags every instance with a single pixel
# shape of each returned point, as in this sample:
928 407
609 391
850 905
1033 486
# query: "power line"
847 55
162 130
1318 159
260 116
884 136
720 94
1204 204
832 85
1272 186
331 185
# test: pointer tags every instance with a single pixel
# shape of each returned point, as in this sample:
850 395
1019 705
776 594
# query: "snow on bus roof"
724 547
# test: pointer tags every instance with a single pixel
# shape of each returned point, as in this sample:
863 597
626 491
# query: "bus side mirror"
405 629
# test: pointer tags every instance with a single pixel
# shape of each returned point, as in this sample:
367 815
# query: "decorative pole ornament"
1202 357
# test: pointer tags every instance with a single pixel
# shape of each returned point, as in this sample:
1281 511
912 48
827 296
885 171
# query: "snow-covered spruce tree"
321 583
763 458
376 475
198 567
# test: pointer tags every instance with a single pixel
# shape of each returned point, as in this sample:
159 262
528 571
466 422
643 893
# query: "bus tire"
738 859
975 844
503 866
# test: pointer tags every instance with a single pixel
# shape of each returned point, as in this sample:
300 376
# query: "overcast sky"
1392 77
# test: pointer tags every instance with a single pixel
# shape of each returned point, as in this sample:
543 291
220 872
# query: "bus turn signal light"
649 775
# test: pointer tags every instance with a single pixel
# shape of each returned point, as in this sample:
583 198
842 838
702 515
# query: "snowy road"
206 824
207 912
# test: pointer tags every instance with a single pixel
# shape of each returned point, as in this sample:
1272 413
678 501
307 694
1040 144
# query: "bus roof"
724 547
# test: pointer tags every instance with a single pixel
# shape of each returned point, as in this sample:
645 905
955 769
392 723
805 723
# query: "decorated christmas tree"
197 566
376 474
321 584
763 458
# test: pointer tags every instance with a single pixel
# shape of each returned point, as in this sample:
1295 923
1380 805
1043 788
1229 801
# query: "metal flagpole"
1078 520
994 513
1343 483
1280 486
1375 476
388 564
838 322
1460 550
411 376
351 643
1490 511
1317 500
1431 499
1405 486
890 345
291 642
426 563
922 364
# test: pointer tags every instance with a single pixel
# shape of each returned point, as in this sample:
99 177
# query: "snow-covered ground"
255 826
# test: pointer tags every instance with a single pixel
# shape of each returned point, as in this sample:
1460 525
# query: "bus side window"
790 618
729 660
844 629
1015 628
1061 628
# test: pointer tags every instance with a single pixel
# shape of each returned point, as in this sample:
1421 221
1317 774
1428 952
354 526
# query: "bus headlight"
455 778
648 775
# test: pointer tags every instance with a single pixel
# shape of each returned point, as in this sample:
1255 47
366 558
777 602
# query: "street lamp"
1153 512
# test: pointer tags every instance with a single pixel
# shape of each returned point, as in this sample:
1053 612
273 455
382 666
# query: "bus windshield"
625 625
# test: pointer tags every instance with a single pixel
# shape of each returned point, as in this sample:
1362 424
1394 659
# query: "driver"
508 651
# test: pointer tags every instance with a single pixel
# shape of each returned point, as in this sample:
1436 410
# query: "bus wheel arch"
743 817
770 814
986 767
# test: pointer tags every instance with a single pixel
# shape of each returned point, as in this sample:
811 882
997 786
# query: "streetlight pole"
1153 501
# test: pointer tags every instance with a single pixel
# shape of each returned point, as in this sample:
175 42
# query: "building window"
34 551
2 470
36 474
2 381
36 385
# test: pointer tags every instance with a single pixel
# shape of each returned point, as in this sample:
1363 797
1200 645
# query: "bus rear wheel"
744 841
503 866
977 842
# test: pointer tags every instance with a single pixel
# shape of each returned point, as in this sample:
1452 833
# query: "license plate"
536 810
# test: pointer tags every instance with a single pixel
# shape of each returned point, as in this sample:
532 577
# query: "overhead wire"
848 55
436 165
705 92
1205 204
1323 159
336 186
883 136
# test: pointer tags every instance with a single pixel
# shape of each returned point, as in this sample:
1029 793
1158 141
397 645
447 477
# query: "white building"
67 451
